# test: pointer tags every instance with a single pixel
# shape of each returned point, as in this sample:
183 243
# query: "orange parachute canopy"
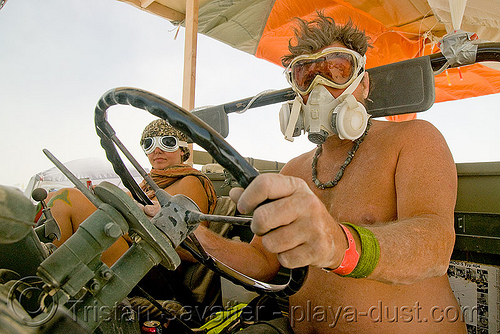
389 45
399 30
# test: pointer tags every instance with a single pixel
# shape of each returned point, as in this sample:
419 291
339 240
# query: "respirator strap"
294 116
349 110
352 87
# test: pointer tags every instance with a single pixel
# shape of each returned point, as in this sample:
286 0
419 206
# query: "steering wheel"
213 143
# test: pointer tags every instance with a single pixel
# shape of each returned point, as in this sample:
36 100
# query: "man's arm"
419 244
251 259
414 247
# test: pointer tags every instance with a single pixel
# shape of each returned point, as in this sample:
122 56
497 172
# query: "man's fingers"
277 213
268 187
286 210
282 239
235 194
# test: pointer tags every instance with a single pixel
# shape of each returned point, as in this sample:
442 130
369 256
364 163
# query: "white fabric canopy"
94 170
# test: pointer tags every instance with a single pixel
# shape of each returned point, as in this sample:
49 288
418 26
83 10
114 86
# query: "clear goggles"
336 67
165 143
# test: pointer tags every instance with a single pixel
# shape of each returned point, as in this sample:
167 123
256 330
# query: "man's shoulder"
416 129
296 164
407 125
417 140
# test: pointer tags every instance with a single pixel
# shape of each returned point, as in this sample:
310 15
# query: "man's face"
331 67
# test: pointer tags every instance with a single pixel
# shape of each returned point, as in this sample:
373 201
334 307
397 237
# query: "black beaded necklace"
340 173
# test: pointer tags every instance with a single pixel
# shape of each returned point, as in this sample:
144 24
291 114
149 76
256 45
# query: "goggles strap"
294 116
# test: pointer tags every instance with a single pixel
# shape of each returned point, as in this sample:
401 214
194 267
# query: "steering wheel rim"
212 142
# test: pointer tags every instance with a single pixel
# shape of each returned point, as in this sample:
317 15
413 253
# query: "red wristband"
351 256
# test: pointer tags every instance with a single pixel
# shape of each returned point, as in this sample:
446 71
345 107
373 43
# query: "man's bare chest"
365 194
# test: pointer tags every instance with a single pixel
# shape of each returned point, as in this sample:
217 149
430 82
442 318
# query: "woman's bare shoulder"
189 181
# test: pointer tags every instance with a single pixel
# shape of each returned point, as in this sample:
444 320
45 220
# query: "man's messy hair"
322 31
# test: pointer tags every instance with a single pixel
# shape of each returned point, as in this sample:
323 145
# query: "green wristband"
370 252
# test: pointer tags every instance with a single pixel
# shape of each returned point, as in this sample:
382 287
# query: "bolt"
106 274
95 285
112 230
137 238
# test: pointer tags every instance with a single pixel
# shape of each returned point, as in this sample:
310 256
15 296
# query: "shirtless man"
393 204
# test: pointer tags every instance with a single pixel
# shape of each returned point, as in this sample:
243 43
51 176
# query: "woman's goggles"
165 143
335 67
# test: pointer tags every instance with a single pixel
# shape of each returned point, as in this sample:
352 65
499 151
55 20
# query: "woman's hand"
151 210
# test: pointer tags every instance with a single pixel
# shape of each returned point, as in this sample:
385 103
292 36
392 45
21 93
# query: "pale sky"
58 57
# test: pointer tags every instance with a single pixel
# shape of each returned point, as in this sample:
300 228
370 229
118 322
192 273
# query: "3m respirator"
324 115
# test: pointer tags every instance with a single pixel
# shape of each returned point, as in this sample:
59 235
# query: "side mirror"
401 88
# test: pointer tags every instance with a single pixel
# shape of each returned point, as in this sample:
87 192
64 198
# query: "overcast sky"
58 57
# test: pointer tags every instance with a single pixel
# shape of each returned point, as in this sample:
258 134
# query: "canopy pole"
190 44
457 10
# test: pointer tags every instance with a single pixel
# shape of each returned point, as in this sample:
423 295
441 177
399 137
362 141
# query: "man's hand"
294 224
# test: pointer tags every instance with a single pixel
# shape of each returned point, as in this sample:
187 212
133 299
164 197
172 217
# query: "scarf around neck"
168 176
